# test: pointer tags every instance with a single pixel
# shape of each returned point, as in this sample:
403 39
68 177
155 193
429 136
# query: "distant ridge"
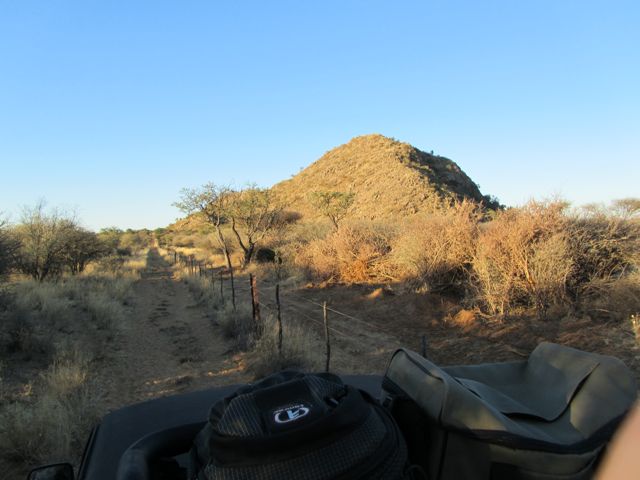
389 179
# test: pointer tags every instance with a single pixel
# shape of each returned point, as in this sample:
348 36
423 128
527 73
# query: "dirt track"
168 344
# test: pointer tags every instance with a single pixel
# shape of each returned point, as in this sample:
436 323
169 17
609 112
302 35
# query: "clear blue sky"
111 107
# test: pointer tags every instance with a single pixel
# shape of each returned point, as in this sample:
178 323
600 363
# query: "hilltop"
389 179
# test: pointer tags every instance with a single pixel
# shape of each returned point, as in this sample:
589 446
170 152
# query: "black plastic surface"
122 428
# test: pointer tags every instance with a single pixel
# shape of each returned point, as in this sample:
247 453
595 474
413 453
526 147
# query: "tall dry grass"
63 328
299 350
52 424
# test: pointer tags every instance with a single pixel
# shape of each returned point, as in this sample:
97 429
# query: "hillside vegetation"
389 179
376 210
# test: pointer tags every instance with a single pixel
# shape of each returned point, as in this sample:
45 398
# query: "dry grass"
50 426
73 321
105 313
204 291
238 325
298 350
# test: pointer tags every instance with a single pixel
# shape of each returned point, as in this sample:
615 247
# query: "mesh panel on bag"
242 416
326 462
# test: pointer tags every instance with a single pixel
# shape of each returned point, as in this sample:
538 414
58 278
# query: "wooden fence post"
255 302
221 287
175 257
326 335
233 289
253 298
279 320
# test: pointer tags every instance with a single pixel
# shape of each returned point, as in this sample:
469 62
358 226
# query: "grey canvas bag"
548 417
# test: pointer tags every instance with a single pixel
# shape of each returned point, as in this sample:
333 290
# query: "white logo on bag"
290 414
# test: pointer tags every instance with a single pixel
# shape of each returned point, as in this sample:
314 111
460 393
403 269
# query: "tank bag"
294 425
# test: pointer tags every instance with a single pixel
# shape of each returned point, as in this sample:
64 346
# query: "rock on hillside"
389 178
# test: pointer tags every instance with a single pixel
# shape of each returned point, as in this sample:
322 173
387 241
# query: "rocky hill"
389 179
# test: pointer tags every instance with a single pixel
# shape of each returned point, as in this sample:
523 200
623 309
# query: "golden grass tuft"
50 427
298 350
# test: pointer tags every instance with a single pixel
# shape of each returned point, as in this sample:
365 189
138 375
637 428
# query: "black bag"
295 425
548 417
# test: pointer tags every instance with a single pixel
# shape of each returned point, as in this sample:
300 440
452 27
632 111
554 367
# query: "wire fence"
318 314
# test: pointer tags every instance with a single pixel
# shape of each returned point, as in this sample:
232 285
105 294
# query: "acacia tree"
253 213
627 208
333 205
82 247
43 240
212 201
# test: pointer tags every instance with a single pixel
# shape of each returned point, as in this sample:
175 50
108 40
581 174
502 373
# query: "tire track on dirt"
168 344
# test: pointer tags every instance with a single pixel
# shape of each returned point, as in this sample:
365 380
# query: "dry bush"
612 298
9 247
135 241
523 258
306 232
605 245
291 247
110 265
298 350
182 240
207 242
355 253
284 271
436 249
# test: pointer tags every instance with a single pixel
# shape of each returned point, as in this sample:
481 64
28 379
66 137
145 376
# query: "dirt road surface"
168 344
